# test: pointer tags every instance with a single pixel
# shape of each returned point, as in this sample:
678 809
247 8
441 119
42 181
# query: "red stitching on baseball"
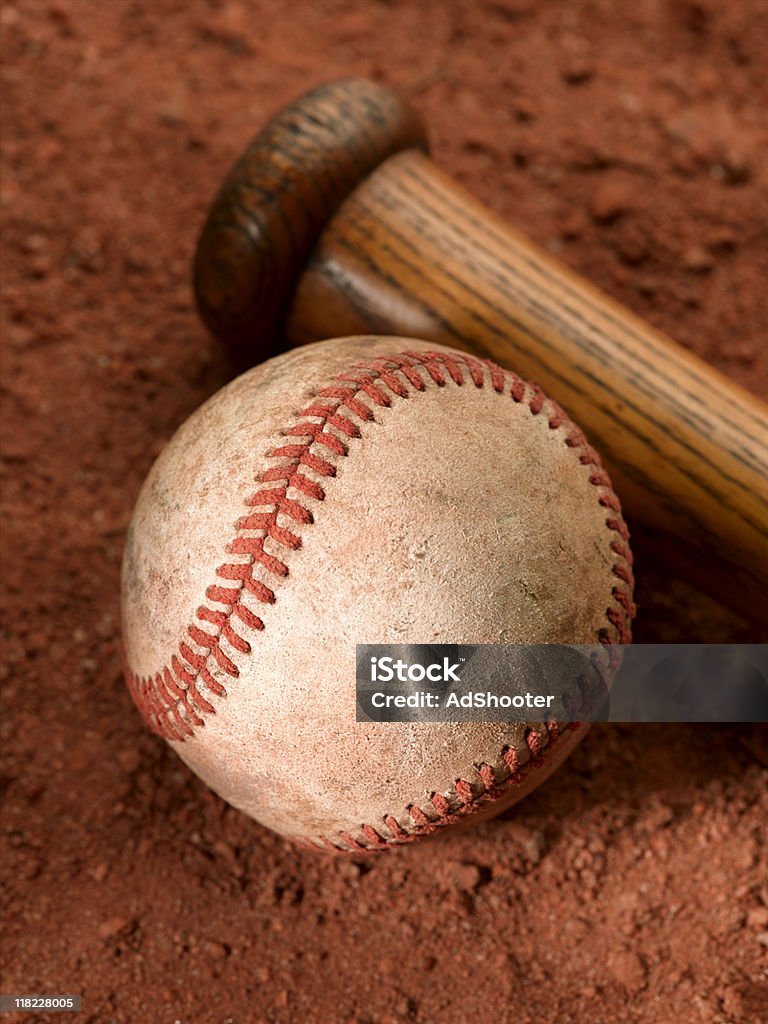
467 803
440 804
171 701
464 791
394 827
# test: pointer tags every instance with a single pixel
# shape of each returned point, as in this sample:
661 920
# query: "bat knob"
278 198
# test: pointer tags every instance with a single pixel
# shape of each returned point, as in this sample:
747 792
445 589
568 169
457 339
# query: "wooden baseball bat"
336 222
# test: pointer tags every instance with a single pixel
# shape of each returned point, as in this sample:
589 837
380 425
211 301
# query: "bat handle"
278 198
336 222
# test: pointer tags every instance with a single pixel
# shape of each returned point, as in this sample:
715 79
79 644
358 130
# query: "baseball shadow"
622 768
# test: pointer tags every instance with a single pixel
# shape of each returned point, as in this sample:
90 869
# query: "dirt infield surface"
627 138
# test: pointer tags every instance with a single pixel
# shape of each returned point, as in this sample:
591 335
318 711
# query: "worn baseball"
362 490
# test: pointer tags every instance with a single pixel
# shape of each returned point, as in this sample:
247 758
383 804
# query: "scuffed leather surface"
456 517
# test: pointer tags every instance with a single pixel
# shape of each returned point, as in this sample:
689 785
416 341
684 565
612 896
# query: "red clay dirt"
633 886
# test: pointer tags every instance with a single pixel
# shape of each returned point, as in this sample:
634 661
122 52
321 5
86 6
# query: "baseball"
362 490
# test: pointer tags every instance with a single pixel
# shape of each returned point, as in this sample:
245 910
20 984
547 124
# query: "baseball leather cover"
362 490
